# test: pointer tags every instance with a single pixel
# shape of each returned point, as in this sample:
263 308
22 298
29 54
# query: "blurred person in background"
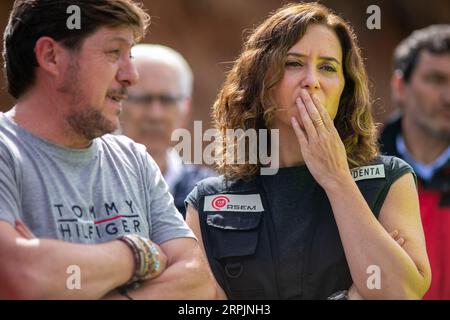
158 104
420 134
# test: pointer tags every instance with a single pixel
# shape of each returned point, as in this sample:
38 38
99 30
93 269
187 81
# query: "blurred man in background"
157 105
421 136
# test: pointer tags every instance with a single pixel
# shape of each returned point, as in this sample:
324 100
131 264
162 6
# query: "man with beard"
157 105
421 136
72 196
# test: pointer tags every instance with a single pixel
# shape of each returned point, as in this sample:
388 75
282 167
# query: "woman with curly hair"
320 227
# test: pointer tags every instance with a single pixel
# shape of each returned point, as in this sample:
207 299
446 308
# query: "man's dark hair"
434 39
32 19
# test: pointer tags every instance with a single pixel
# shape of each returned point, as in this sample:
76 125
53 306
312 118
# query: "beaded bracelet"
155 264
146 256
136 256
145 267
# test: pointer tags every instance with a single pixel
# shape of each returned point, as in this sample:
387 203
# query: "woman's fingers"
401 241
394 234
301 136
310 129
322 111
397 237
312 110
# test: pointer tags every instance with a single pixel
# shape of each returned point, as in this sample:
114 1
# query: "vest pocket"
233 240
233 234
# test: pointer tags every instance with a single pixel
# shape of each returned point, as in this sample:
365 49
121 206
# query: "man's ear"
49 55
398 88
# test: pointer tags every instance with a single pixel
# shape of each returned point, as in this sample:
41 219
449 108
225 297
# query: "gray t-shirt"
90 195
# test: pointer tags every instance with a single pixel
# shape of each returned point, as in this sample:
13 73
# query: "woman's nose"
310 79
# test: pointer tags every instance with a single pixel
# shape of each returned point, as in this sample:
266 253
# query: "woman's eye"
293 64
328 68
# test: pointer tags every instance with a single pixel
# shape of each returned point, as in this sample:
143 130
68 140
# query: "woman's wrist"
338 183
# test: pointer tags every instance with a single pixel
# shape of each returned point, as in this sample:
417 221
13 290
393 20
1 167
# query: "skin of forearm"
367 243
182 280
186 278
44 275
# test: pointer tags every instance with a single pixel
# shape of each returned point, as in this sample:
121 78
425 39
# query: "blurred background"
210 33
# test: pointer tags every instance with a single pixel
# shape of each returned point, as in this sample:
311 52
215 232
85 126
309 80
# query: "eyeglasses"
166 100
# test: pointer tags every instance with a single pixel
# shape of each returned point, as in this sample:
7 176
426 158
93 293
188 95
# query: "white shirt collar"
425 171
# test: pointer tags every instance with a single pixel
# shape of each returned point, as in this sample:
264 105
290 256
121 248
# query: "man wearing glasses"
157 105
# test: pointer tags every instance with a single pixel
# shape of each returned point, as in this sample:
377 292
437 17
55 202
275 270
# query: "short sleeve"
395 169
166 222
192 198
9 190
398 168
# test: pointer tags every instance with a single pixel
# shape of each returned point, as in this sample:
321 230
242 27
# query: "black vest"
241 242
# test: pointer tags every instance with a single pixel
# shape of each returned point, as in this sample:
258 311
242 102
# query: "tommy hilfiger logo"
368 172
234 202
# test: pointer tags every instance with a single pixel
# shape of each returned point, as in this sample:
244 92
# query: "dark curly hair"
245 100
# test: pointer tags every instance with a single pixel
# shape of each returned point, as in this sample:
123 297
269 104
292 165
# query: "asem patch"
234 202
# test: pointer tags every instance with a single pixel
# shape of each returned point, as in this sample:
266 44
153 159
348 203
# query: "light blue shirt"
424 171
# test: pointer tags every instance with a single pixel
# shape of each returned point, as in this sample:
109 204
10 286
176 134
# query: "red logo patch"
219 202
